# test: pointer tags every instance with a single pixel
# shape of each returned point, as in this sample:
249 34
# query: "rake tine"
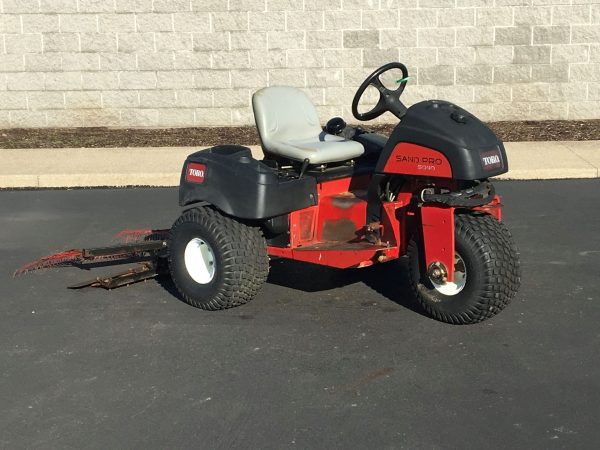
56 260
130 236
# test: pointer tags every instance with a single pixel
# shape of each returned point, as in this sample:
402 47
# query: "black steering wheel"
388 100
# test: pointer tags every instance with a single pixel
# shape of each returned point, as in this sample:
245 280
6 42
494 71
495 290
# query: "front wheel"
487 272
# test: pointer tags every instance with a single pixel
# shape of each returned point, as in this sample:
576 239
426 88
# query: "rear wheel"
215 261
487 272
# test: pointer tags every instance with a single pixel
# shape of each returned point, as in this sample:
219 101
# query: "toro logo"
491 160
195 173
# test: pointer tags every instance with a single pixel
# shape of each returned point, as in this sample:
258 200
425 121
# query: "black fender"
230 179
473 151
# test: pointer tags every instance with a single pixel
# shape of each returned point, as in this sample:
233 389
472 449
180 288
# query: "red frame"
341 210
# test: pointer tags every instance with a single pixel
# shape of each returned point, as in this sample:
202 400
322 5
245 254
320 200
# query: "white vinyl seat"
288 126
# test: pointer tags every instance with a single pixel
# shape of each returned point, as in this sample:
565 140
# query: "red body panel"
302 226
331 233
412 159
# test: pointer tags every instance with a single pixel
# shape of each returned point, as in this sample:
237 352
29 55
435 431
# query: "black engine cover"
229 178
473 150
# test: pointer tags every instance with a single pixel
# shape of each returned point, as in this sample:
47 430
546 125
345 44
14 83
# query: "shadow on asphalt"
389 280
167 284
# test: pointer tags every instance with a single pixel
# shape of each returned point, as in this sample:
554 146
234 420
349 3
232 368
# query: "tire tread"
245 264
495 249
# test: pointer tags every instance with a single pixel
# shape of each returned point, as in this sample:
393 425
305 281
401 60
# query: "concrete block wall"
163 63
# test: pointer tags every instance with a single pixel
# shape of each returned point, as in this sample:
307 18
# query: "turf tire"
240 254
493 271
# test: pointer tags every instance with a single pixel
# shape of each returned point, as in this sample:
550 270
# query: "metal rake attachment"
148 250
143 271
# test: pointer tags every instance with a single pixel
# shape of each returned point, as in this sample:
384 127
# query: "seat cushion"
288 126
322 149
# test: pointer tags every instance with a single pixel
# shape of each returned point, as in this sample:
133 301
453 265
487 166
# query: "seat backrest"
284 113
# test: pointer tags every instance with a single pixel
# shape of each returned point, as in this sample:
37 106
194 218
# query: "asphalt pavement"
320 359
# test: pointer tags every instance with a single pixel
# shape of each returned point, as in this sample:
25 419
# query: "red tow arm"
438 233
438 237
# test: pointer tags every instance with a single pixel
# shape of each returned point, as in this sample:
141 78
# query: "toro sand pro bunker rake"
344 198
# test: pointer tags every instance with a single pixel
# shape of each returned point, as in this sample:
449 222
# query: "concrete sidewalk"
161 166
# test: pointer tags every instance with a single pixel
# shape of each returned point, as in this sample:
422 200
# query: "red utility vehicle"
347 198
341 197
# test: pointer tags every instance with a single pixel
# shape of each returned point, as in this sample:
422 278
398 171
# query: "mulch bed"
552 130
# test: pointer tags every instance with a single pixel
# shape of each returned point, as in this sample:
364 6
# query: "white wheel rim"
200 261
460 278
